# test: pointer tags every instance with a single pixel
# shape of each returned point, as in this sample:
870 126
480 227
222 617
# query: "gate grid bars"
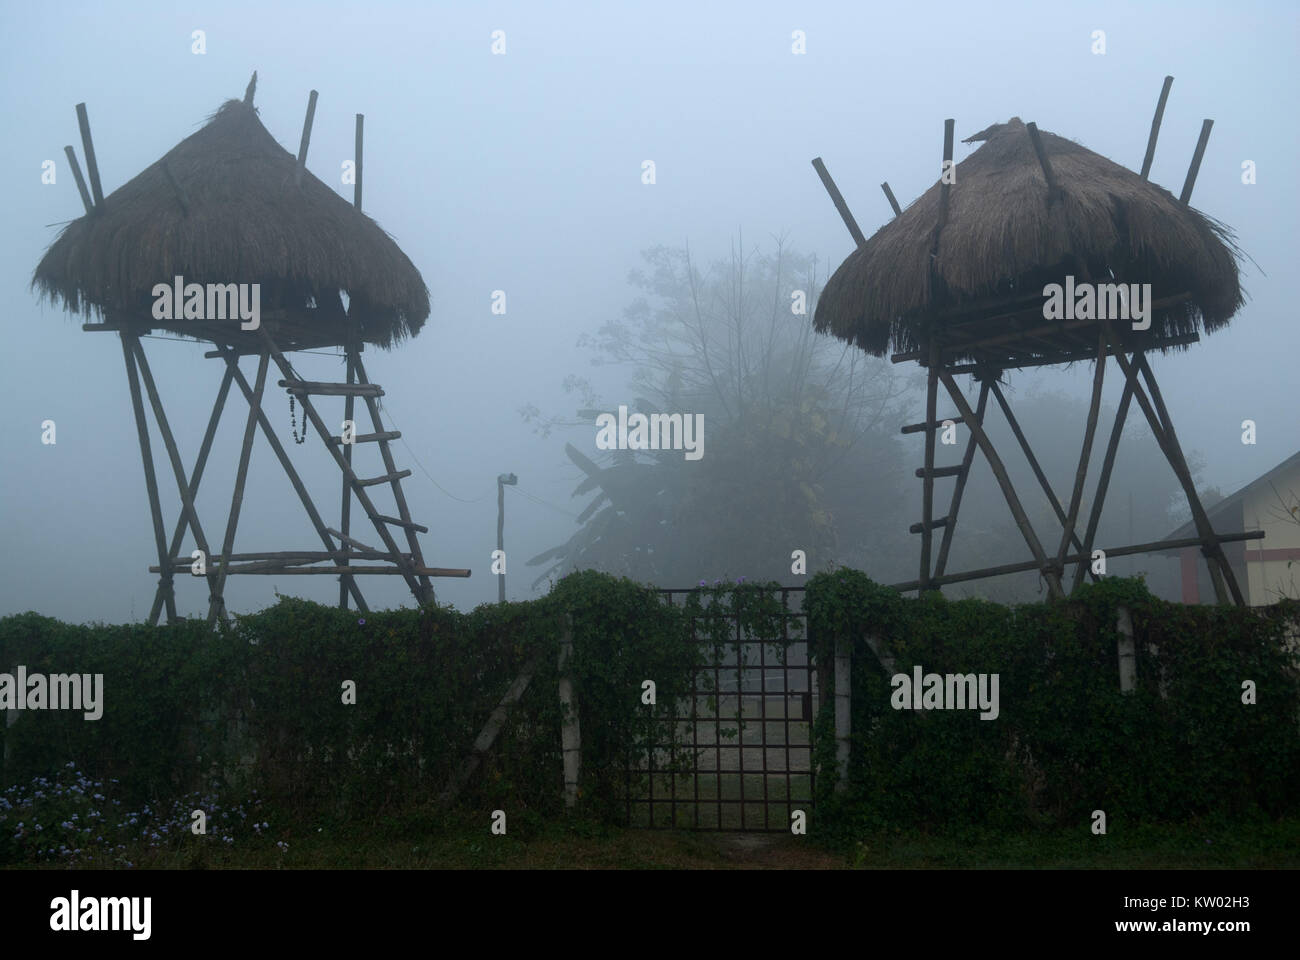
743 757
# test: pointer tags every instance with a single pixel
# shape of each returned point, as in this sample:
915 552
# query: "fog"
522 173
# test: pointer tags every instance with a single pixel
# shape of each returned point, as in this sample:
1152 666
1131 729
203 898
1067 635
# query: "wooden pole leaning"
200 464
1169 446
165 583
1103 484
967 459
189 515
1085 453
1050 573
216 606
1033 461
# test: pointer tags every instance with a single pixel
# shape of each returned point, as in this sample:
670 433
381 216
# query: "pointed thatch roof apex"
224 206
1002 237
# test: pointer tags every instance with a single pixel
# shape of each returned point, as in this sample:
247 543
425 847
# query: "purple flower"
362 621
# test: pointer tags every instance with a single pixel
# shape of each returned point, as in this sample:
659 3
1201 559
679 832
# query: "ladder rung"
333 389
939 471
934 525
918 427
368 437
398 523
387 478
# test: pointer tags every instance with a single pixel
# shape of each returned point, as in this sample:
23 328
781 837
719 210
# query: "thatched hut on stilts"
962 283
228 218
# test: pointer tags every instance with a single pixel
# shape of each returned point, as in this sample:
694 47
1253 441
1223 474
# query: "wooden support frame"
232 366
1050 573
309 409
1225 580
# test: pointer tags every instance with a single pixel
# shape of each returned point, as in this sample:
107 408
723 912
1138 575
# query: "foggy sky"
522 173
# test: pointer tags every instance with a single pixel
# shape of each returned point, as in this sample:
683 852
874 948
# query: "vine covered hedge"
1066 741
259 703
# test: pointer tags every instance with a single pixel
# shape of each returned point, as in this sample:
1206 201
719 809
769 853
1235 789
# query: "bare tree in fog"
799 431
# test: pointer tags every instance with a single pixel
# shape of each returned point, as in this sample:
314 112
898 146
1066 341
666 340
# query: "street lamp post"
502 480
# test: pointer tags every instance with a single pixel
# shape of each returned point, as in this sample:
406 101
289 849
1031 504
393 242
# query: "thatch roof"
222 206
1002 239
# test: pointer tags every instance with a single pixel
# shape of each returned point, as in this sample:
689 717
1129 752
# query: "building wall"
1265 508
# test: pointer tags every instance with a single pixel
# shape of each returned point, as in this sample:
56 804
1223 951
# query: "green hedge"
258 703
1066 741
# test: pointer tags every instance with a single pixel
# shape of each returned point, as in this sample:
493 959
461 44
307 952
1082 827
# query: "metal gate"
743 755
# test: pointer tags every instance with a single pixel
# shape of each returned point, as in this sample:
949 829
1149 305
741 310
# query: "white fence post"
1127 651
570 737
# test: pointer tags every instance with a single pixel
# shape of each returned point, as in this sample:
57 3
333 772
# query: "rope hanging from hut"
293 423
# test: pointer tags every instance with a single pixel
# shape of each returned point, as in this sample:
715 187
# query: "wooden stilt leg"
1203 528
927 480
1081 473
165 583
345 512
1033 460
1185 475
967 459
199 465
188 513
1103 483
1050 574
218 602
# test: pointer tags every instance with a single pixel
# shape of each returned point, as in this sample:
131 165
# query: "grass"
417 842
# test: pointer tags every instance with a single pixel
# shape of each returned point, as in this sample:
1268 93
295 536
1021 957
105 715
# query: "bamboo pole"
1085 453
837 198
81 182
487 736
1033 461
968 458
217 602
232 365
1168 446
1185 197
188 512
358 154
893 201
1053 187
1144 367
283 567
306 137
1051 575
1155 127
200 464
88 148
927 482
1153 546
349 410
1103 483
150 477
